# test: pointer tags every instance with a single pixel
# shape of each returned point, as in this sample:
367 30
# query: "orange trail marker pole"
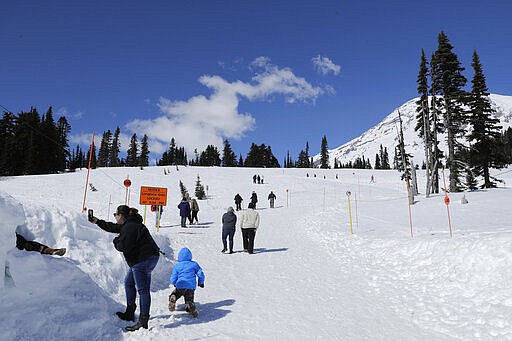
88 171
447 202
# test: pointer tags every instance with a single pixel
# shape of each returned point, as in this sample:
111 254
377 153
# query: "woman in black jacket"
141 253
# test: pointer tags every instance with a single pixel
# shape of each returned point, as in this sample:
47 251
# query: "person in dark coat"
141 253
271 197
238 202
228 229
184 207
254 199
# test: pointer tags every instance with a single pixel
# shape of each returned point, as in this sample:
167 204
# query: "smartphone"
90 214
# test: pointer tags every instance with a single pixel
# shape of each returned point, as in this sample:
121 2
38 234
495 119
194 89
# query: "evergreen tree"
210 156
403 163
228 156
104 150
423 120
240 161
91 157
63 128
183 190
7 144
449 82
486 150
324 154
144 152
131 153
303 158
115 148
377 161
200 193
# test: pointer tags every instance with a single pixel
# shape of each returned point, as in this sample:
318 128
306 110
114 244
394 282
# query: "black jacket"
134 240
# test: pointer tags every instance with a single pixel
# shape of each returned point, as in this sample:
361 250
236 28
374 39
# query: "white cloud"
203 120
324 65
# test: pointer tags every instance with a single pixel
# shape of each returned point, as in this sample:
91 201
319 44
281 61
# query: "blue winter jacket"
184 207
185 271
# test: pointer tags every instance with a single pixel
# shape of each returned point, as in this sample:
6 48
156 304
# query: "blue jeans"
138 278
225 234
183 221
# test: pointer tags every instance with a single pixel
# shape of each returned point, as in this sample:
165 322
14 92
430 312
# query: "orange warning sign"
153 196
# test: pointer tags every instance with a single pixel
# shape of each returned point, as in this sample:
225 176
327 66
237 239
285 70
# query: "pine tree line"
33 144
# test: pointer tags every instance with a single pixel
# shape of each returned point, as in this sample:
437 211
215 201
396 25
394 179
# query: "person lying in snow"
23 244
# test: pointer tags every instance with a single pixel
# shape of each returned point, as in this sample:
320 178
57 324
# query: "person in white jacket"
248 224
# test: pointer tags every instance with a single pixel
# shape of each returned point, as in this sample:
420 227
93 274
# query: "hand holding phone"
90 215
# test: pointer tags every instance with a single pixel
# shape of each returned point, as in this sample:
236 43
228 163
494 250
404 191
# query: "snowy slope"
386 133
310 278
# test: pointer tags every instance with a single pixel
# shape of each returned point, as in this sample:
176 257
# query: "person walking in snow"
271 198
254 199
183 277
228 229
238 202
158 209
194 207
141 253
249 224
184 207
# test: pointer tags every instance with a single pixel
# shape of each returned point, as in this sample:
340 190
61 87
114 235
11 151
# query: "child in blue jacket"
183 277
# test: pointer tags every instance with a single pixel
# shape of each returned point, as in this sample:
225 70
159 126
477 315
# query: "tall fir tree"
144 152
132 152
324 154
448 82
423 123
486 149
115 149
63 128
228 156
104 150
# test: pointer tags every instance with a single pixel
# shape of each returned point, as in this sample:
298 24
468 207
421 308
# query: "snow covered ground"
310 278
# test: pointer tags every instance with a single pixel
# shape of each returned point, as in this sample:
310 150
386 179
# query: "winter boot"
129 314
191 308
223 250
59 252
172 302
142 323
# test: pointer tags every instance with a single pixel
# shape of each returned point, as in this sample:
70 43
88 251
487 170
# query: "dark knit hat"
124 210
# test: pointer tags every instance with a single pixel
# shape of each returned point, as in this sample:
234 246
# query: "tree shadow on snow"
207 312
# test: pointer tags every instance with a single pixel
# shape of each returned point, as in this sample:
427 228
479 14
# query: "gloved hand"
201 285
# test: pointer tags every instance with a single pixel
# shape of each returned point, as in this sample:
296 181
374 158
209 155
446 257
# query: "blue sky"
274 72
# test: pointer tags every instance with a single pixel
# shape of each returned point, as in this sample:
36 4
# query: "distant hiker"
158 209
194 207
254 199
248 224
183 278
336 176
372 179
254 178
262 179
141 253
238 202
259 179
271 197
184 207
189 199
228 229
23 244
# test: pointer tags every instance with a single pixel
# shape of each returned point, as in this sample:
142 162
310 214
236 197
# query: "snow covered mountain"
386 134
